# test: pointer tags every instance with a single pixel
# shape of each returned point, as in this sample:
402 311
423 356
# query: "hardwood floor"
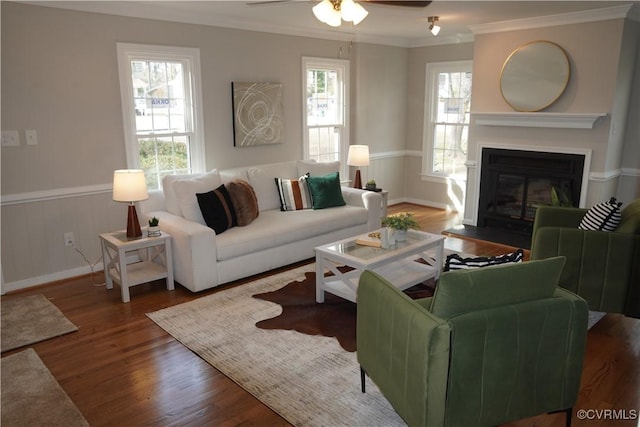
121 369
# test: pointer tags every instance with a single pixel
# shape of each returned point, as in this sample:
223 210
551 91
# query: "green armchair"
493 345
602 267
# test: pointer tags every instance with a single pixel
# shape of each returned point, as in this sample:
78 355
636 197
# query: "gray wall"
59 77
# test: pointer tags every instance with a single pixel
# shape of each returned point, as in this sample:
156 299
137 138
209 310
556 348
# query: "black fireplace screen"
514 183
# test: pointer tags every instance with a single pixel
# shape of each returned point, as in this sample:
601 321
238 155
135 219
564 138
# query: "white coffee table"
397 264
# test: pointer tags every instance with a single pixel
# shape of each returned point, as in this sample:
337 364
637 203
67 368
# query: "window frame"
190 58
433 69
343 67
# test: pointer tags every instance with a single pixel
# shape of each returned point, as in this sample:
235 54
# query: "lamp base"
357 182
133 225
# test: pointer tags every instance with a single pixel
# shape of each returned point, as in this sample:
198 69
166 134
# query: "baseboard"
422 202
48 278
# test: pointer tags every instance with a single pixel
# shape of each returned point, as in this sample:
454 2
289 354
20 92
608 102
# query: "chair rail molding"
541 120
58 193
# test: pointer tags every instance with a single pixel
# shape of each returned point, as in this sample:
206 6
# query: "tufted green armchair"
493 345
602 267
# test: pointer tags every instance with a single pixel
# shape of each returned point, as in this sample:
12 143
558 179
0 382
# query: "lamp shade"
129 185
358 155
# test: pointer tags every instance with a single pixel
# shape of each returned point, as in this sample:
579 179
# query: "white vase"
153 231
401 235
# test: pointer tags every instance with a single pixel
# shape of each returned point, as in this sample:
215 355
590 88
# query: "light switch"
31 136
10 138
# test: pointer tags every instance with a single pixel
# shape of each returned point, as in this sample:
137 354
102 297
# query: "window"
160 90
325 127
447 109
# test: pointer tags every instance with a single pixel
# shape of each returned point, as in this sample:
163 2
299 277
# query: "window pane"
324 144
323 98
163 156
159 97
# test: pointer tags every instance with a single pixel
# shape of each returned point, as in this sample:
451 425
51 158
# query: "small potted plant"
154 227
371 185
400 223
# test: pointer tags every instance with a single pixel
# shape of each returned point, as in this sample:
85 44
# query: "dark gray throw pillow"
217 209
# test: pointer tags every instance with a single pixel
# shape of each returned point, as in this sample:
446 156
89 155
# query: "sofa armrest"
194 250
370 200
404 349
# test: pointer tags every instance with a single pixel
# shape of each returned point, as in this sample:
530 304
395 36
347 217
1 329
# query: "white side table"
155 263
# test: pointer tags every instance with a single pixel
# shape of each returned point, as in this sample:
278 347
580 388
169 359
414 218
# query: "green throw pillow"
325 191
463 291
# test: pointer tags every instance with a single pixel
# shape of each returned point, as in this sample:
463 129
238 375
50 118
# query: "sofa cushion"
244 201
170 199
463 291
294 194
456 262
186 189
217 209
603 216
314 168
274 228
325 191
261 179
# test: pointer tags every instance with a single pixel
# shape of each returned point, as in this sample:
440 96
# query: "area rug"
31 396
308 380
31 319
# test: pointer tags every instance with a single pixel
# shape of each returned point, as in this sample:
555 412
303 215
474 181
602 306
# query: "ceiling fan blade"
408 3
266 2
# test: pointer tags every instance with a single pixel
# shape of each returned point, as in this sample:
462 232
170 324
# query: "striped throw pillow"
603 216
294 194
456 262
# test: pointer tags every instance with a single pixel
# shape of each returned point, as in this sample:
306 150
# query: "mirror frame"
525 81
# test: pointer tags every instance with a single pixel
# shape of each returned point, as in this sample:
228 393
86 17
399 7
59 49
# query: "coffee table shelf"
397 264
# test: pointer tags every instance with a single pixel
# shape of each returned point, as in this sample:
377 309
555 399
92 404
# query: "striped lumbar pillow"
603 216
456 262
294 194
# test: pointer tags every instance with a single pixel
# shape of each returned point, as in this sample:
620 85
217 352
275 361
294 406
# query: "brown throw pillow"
244 201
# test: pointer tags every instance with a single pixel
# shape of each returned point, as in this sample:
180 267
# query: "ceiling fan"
408 3
333 12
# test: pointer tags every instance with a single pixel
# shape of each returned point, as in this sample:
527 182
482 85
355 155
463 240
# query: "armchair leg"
362 374
568 412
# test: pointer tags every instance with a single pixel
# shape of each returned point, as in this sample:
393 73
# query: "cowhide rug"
336 317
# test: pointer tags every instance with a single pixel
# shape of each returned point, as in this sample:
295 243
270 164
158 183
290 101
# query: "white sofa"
202 259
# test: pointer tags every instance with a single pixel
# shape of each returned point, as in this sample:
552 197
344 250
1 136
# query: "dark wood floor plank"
120 368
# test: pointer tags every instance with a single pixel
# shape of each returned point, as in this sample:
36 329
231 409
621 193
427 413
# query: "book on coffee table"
369 241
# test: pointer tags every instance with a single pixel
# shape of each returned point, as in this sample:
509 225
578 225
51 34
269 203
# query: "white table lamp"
129 186
358 156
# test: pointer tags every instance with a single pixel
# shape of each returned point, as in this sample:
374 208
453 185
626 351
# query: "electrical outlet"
69 240
10 138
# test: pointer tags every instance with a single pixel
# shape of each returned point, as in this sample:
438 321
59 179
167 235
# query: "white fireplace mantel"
540 120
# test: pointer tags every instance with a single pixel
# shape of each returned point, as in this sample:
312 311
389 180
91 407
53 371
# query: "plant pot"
371 187
401 235
153 231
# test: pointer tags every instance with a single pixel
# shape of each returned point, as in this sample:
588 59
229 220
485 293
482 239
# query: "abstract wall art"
257 113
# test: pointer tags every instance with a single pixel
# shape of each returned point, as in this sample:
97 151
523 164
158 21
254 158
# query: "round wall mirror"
534 76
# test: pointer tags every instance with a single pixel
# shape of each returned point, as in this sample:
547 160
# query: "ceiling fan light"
359 13
323 11
347 7
435 29
333 18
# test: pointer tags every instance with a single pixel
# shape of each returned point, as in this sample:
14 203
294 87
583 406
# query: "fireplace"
513 183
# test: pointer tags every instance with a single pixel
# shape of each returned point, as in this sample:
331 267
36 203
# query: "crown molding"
615 12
